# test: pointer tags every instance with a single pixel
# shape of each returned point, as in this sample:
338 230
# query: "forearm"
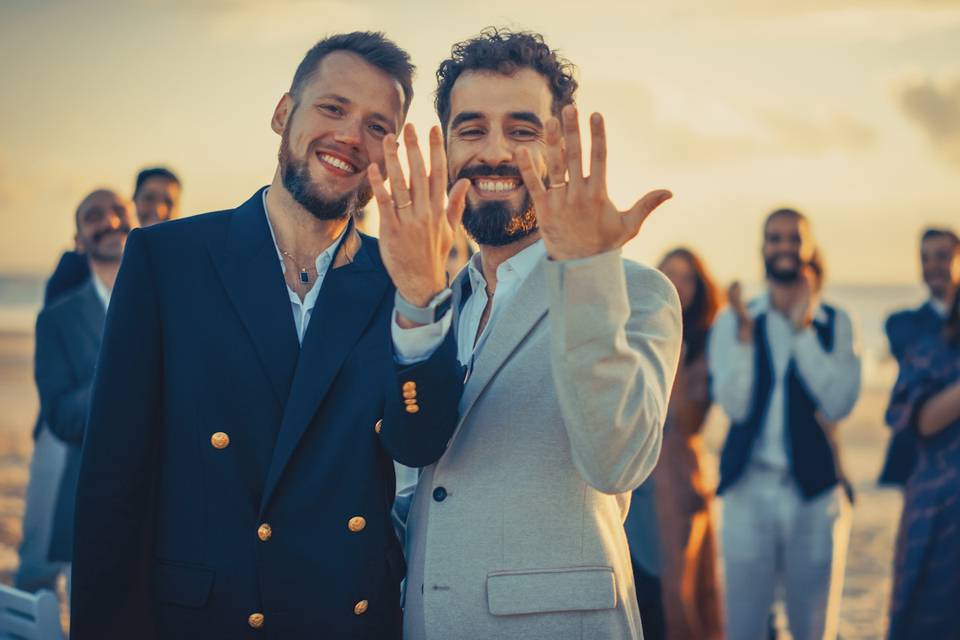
614 356
939 411
418 437
832 377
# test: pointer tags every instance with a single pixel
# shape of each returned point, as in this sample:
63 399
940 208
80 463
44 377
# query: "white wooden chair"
25 616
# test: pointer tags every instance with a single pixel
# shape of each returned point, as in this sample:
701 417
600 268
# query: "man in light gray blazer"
569 352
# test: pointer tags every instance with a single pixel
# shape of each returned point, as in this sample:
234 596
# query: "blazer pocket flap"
182 584
545 590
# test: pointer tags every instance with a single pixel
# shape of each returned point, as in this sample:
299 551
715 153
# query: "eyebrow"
526 116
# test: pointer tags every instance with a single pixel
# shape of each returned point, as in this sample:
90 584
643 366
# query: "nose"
350 133
496 150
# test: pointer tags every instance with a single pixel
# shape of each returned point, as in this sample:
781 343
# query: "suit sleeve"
895 330
64 398
614 347
119 462
418 438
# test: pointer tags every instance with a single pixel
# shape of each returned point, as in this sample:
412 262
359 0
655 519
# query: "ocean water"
868 305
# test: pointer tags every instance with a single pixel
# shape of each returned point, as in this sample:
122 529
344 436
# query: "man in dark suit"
940 259
236 479
68 342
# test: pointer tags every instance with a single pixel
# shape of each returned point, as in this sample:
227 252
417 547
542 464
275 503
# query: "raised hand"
805 301
417 221
744 319
576 217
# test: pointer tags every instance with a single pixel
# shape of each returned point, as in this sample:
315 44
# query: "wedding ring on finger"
403 206
559 185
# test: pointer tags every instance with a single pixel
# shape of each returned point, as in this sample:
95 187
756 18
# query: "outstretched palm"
575 214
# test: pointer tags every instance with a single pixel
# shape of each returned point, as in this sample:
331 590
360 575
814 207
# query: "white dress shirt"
102 291
302 311
939 306
831 377
417 344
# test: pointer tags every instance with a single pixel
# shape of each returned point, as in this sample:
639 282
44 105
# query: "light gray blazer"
517 531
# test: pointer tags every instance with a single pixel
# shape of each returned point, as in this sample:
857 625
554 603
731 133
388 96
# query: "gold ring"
403 206
559 185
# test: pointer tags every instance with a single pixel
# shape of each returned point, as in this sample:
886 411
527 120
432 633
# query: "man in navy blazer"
940 259
236 477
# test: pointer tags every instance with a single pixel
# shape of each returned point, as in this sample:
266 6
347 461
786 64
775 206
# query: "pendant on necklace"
304 276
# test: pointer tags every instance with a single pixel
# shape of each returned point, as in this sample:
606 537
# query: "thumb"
456 201
642 209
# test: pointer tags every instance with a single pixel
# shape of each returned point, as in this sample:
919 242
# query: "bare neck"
492 257
298 231
106 272
783 296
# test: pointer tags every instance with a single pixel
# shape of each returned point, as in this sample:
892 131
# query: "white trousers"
771 536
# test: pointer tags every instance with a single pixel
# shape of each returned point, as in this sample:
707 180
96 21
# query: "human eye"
330 108
524 133
378 130
470 133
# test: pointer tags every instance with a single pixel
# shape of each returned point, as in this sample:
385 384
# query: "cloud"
934 106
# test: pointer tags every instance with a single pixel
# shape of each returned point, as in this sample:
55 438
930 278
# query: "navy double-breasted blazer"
208 421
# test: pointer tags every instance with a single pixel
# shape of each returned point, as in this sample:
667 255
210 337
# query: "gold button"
410 401
356 523
413 408
378 426
361 607
264 532
410 394
220 440
410 385
255 620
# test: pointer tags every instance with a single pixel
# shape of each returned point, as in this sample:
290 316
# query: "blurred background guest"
688 572
68 343
156 196
672 544
784 368
940 260
926 401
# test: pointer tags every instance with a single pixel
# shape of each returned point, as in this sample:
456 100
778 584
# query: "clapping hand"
744 319
417 221
575 214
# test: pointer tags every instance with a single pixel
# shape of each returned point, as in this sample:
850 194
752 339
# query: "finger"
418 171
398 184
388 216
438 169
572 146
635 217
556 163
598 152
457 200
532 181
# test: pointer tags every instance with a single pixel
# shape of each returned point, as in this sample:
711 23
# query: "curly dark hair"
505 51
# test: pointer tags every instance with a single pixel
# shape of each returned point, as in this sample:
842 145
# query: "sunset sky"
846 109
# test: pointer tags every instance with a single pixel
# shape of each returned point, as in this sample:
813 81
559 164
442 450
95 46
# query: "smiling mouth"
337 163
496 186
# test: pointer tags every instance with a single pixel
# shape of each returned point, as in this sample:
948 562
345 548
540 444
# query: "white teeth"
496 185
337 162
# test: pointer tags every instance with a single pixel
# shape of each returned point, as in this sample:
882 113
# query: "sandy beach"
867 585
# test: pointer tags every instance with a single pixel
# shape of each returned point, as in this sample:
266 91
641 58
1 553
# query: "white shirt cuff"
418 344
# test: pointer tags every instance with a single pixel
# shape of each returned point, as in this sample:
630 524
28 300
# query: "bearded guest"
569 353
68 341
236 478
785 368
940 264
672 539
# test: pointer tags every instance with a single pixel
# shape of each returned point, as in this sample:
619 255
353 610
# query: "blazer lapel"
528 306
253 278
349 297
92 313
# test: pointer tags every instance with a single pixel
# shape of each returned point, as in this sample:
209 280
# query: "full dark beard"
495 223
782 276
296 179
